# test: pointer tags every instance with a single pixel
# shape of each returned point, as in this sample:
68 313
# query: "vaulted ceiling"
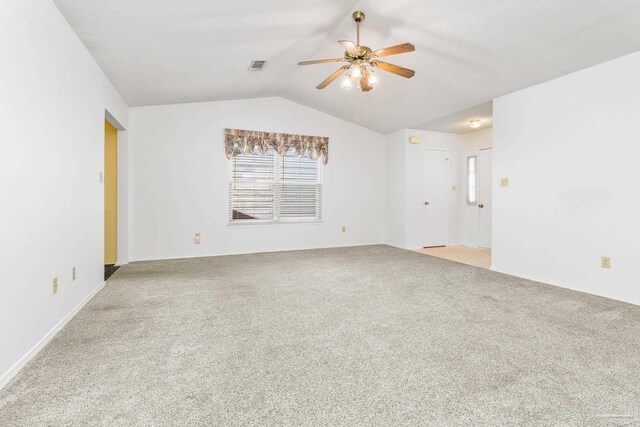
467 52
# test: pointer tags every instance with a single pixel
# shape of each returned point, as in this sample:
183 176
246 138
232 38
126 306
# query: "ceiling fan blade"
320 61
348 46
332 77
394 50
364 82
394 69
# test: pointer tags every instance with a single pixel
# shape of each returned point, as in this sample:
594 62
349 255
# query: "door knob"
426 203
481 206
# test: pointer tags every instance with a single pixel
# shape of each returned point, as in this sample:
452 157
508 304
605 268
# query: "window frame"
469 187
278 165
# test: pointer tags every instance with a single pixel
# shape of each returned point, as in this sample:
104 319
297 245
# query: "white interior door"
434 198
476 212
485 204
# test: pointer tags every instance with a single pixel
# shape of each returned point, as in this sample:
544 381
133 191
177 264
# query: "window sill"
256 223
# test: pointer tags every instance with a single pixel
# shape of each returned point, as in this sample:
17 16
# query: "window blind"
275 188
300 189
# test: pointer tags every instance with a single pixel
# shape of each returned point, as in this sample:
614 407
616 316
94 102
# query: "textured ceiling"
458 122
467 52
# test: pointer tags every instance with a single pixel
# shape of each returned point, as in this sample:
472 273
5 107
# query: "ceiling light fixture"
373 80
475 124
356 71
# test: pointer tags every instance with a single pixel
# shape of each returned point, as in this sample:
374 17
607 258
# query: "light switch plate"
54 286
454 188
197 238
344 229
605 262
504 182
73 273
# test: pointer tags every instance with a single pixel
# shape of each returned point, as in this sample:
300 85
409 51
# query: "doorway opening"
477 204
110 181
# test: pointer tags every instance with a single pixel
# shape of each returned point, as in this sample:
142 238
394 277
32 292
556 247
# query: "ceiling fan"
362 62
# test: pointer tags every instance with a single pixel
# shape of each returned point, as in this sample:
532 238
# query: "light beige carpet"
355 336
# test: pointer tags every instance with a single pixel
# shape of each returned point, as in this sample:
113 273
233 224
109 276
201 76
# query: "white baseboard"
571 287
13 371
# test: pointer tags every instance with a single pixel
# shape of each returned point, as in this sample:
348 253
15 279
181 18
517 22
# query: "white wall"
396 188
570 148
123 198
477 140
52 106
180 178
404 224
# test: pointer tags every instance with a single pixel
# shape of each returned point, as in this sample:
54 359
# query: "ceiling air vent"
257 64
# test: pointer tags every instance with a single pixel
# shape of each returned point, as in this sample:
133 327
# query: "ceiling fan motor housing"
358 16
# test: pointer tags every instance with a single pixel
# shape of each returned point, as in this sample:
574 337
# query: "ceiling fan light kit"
362 62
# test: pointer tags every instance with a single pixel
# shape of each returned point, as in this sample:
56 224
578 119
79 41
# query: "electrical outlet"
344 229
454 188
73 273
197 238
54 286
504 182
605 262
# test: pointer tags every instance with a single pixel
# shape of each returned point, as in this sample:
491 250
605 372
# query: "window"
472 162
275 188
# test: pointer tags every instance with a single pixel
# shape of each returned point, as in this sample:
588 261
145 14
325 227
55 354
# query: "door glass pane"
471 180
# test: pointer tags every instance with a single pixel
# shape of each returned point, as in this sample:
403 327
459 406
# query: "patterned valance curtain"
238 141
